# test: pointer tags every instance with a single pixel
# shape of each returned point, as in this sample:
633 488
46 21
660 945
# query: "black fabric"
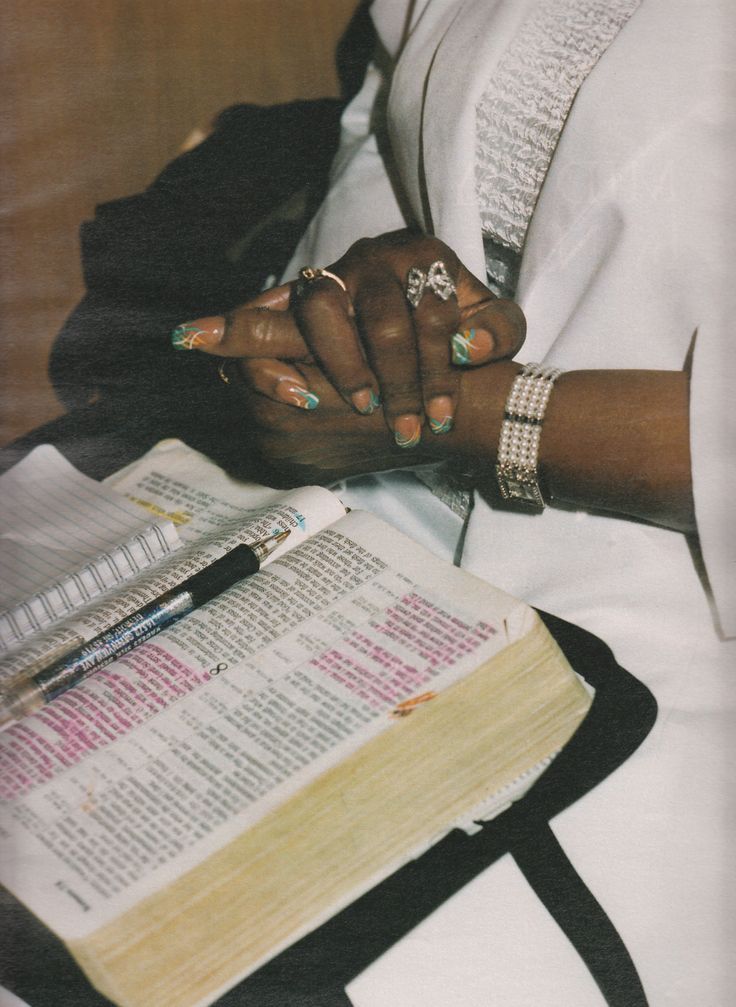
579 915
201 240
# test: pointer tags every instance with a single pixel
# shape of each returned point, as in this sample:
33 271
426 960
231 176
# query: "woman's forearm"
614 440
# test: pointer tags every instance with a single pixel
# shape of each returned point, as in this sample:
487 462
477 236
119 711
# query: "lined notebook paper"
54 520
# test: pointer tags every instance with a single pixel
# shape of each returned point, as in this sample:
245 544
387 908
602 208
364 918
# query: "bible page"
125 782
211 513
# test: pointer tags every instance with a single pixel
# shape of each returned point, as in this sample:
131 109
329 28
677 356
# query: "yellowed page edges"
340 835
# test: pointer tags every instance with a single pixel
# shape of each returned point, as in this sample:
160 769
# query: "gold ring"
308 274
222 372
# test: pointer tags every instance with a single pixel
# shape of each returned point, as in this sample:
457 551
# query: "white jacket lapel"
449 60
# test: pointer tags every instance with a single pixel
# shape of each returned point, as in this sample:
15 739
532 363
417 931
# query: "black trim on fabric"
579 915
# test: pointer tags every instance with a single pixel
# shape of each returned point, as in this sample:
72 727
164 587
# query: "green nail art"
443 426
303 398
407 442
372 405
462 344
186 337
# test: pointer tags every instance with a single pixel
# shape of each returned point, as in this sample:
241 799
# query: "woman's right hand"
375 348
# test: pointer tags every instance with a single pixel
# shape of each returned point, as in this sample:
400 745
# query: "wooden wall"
95 96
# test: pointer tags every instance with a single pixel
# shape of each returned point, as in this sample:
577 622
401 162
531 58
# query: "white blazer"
627 264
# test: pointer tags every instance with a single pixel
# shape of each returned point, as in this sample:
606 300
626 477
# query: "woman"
621 273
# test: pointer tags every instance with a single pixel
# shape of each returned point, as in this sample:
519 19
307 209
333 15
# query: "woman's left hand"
356 322
318 446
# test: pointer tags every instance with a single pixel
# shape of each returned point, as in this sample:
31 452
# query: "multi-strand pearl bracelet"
518 447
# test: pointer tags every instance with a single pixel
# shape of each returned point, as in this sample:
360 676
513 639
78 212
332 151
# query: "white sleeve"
713 437
713 386
360 201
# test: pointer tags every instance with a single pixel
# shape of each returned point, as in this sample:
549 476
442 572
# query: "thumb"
491 330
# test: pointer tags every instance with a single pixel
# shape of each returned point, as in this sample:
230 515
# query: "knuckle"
396 247
433 245
261 334
360 250
390 336
253 333
436 379
434 249
362 246
438 320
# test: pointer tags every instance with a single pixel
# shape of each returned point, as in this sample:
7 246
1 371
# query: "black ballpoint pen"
28 692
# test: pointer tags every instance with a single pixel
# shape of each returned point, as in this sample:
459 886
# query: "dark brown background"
95 97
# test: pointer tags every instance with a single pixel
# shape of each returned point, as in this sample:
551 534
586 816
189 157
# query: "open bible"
206 800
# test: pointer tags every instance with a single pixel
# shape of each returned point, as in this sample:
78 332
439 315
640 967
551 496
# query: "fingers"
377 340
280 382
434 321
322 445
389 336
493 330
368 341
324 314
246 332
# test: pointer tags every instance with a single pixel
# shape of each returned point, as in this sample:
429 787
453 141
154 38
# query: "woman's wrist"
611 440
479 414
619 440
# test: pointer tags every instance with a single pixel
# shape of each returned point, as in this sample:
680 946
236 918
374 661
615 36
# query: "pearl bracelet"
518 446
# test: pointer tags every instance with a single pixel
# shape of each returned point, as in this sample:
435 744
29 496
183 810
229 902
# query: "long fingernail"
407 430
294 394
200 334
439 414
471 346
365 401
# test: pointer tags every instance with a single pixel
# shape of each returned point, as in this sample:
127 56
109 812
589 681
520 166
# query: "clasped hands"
342 378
